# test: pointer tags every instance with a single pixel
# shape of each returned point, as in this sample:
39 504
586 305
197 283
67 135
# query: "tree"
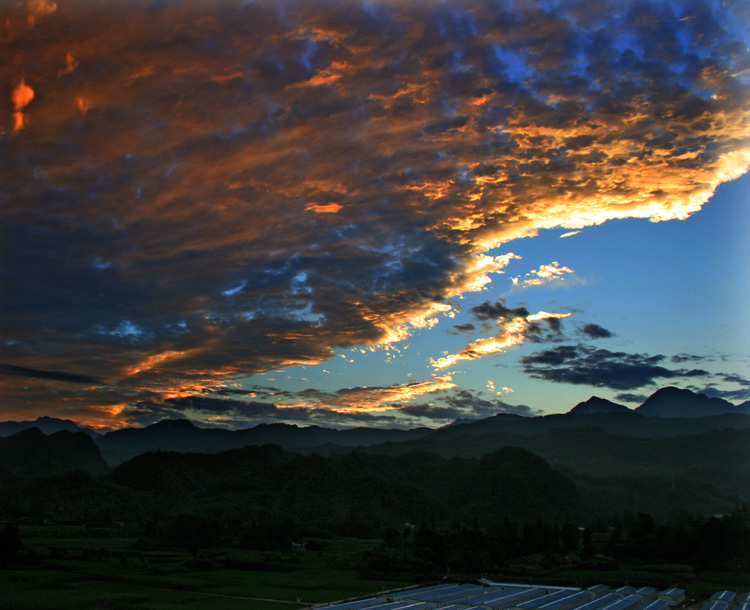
191 532
569 537
10 544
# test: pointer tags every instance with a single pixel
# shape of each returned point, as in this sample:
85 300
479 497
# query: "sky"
370 213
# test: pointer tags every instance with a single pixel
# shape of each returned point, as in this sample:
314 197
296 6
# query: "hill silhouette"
598 405
509 482
673 402
183 435
167 435
668 412
48 425
611 453
31 454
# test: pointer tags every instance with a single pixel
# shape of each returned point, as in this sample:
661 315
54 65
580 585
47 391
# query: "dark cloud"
638 399
219 406
740 394
546 330
464 328
732 378
238 414
194 194
326 408
594 331
20 371
476 405
145 413
498 311
464 405
586 365
680 358
736 396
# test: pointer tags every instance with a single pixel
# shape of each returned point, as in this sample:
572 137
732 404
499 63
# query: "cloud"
498 310
514 327
680 358
9 369
374 398
351 166
473 404
736 395
391 406
21 97
145 413
586 365
323 208
738 379
740 394
40 8
637 399
310 407
463 328
545 274
594 331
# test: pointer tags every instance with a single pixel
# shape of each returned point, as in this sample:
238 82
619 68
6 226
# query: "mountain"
167 435
183 435
413 487
673 402
47 425
705 470
598 405
291 436
31 454
461 420
627 422
667 413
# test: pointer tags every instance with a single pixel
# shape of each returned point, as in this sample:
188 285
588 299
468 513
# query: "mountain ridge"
655 418
31 454
699 462
598 405
47 425
673 402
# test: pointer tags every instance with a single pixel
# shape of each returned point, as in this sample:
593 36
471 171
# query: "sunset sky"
379 213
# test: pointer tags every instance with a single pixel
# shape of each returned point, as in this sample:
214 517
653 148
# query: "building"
674 597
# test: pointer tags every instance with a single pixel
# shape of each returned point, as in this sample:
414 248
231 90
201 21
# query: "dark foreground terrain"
66 567
188 517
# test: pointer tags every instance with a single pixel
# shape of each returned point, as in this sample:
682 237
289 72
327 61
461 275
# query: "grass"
67 567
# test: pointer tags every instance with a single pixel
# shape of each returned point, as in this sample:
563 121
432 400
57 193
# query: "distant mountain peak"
598 405
673 402
460 421
47 425
28 434
30 453
178 424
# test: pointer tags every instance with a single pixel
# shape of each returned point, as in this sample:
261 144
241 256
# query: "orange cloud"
352 182
545 273
319 208
21 97
150 362
511 332
39 8
382 398
71 63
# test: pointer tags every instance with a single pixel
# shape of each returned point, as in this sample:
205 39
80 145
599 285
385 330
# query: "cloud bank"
194 193
586 365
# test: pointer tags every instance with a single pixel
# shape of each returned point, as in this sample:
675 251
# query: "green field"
66 567
69 567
